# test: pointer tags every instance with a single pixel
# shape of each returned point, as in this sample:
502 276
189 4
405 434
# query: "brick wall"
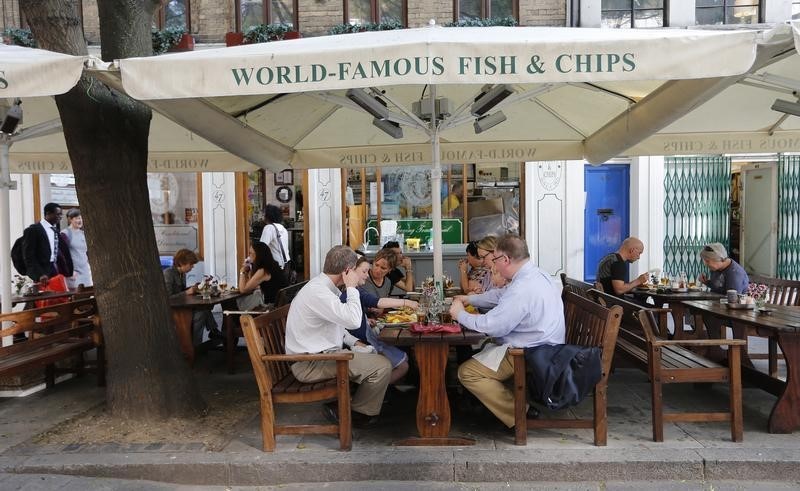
543 13
317 16
91 22
421 11
211 19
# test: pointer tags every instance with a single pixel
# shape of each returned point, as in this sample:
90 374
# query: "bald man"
612 272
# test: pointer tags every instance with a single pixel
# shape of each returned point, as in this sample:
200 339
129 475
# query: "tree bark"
107 135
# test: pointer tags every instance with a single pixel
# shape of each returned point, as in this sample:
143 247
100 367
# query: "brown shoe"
363 421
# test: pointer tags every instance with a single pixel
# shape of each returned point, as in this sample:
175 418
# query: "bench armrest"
700 342
309 357
516 351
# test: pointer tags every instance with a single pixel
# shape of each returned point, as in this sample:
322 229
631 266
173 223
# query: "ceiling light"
489 97
489 121
372 105
12 118
389 127
787 107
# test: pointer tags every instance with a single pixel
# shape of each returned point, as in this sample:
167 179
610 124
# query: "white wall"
575 203
325 220
219 227
777 10
545 214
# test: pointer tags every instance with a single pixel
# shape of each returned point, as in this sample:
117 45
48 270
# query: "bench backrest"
631 317
781 292
287 293
266 335
52 324
575 286
591 324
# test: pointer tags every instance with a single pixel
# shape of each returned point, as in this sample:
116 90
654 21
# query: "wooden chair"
781 292
287 294
587 324
572 285
265 337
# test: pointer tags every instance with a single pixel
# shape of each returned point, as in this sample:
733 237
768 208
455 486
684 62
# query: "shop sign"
170 238
415 228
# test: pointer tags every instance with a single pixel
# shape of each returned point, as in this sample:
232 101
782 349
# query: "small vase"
760 302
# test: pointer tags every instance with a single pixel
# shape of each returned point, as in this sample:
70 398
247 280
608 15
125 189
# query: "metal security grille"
789 217
696 209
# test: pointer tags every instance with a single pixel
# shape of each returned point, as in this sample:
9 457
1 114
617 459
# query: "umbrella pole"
5 233
436 186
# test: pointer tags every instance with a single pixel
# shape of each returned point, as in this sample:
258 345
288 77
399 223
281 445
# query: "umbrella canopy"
513 94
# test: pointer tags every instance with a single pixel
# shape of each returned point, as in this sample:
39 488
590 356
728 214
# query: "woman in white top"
82 272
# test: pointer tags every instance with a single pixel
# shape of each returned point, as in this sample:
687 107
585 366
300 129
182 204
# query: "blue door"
605 218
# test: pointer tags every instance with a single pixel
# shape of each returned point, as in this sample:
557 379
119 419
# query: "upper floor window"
253 12
486 9
175 13
727 12
796 9
358 12
632 13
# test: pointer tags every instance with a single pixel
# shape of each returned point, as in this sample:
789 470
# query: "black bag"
562 375
288 265
17 256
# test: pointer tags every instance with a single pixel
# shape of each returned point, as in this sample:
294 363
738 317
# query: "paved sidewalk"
693 456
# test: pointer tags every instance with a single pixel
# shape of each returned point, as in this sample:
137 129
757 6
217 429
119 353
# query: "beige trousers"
489 386
370 371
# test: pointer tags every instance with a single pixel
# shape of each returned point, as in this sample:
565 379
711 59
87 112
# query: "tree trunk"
106 134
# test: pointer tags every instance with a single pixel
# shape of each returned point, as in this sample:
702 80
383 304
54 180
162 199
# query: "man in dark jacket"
44 249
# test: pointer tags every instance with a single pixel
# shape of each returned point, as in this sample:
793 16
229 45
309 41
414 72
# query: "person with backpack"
45 251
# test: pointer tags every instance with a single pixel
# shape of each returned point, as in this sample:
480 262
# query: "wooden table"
675 301
183 306
17 299
784 325
433 407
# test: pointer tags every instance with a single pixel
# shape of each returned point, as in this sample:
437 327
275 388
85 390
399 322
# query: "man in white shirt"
275 234
318 322
526 313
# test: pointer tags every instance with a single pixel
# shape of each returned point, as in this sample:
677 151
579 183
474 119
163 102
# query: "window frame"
633 9
486 7
795 3
237 10
161 18
373 5
759 5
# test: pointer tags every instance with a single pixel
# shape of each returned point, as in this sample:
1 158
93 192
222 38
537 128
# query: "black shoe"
363 421
331 412
215 334
532 413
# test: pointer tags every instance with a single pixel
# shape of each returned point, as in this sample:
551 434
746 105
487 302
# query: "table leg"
433 408
678 316
785 416
183 327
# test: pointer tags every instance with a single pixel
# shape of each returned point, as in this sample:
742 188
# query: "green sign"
421 229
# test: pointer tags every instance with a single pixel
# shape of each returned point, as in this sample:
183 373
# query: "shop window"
620 14
796 9
176 208
486 9
709 12
364 11
174 13
253 12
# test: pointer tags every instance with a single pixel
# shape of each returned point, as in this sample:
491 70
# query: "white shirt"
269 236
51 235
318 320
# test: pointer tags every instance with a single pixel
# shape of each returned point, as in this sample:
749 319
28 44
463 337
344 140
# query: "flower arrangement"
759 292
208 286
21 284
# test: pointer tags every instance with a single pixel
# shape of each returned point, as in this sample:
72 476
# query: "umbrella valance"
496 55
27 72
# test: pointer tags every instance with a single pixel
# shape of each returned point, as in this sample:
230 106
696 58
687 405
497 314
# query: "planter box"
292 35
234 38
185 44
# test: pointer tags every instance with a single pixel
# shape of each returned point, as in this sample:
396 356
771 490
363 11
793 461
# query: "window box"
186 43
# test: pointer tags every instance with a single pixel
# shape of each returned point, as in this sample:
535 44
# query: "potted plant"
234 38
171 39
493 21
367 26
263 33
19 37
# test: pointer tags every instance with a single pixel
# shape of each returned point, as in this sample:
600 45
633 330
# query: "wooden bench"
577 287
54 333
287 293
643 340
587 324
781 292
265 337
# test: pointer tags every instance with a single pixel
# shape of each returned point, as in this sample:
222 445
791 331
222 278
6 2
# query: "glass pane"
391 10
710 3
710 16
616 19
359 11
616 5
501 9
796 10
741 15
282 12
648 18
175 14
648 4
469 9
743 3
252 13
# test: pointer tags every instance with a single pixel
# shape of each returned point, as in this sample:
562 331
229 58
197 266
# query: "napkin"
425 328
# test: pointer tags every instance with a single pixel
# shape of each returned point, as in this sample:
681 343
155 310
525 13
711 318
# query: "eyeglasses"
482 257
494 259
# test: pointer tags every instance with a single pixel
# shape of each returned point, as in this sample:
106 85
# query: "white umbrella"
26 72
557 87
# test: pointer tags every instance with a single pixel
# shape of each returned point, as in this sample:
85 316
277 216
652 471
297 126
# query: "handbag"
253 301
288 271
58 284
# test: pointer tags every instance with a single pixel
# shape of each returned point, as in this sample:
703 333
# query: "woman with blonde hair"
485 252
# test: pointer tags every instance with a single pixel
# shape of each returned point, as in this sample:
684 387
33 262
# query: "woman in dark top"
175 280
260 270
